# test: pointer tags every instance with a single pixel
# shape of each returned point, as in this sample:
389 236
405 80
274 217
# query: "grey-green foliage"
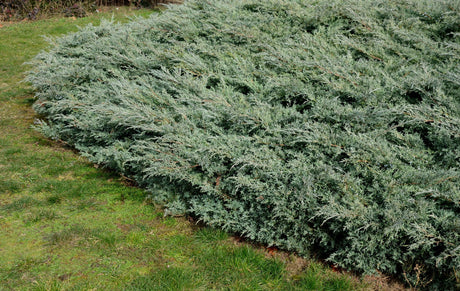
328 125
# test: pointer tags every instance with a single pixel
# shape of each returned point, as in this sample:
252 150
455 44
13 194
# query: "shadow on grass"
21 204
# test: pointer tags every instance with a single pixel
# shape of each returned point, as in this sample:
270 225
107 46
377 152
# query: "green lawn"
65 224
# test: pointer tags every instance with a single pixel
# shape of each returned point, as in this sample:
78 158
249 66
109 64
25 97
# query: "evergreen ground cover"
309 125
66 225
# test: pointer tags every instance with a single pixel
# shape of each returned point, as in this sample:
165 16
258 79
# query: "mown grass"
66 224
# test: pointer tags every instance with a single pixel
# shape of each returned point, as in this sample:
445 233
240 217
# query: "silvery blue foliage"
331 126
